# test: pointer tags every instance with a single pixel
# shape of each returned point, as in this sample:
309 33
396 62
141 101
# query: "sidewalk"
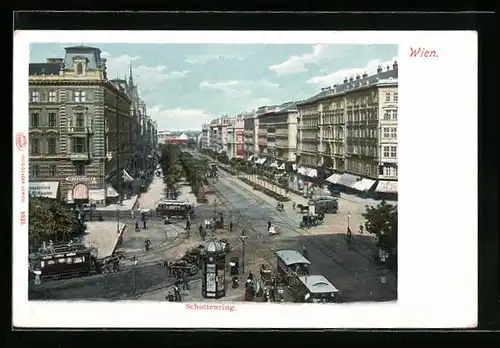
149 200
127 205
103 235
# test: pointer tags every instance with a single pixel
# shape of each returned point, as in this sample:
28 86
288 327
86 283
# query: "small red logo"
21 141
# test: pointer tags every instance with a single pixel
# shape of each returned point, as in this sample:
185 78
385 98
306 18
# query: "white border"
437 200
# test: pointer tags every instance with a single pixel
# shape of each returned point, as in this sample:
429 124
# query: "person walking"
137 227
185 282
230 226
293 206
305 253
144 224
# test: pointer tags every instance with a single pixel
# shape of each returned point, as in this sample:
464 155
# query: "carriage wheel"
193 270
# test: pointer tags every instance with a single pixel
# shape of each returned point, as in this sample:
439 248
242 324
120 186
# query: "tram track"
329 252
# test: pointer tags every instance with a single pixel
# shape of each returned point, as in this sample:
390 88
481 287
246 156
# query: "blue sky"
187 85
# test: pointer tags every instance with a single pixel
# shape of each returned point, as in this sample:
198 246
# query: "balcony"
82 156
80 130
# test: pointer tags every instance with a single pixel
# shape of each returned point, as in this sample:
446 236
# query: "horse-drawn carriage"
309 220
266 275
189 263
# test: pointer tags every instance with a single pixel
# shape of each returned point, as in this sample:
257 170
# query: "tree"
51 220
382 220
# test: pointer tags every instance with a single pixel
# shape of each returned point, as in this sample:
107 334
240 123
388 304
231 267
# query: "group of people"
182 280
144 221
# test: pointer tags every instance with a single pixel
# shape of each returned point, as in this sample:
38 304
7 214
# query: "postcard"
245 179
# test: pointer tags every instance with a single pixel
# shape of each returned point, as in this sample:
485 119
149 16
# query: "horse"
302 207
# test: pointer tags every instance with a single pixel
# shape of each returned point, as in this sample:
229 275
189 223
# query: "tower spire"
130 77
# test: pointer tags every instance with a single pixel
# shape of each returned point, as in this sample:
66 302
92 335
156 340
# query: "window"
52 170
50 262
52 146
80 169
394 114
78 260
79 69
69 260
52 119
80 97
78 145
388 97
35 146
35 119
35 96
80 120
35 171
62 260
390 132
52 97
387 115
395 97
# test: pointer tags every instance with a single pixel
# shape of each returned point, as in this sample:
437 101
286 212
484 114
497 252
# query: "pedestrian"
230 226
166 221
361 228
132 214
177 294
185 282
305 253
269 224
100 217
137 228
170 297
144 225
293 206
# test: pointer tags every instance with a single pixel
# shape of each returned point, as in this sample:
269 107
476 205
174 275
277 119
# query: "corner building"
78 120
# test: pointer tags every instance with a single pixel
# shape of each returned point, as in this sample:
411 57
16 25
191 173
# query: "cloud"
339 75
146 77
206 57
239 88
179 118
297 64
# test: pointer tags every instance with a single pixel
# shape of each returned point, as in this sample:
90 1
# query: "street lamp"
243 238
348 236
134 274
118 218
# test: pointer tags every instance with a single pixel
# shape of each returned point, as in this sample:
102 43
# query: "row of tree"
50 219
177 164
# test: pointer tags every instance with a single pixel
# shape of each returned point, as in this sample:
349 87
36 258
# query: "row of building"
90 138
346 134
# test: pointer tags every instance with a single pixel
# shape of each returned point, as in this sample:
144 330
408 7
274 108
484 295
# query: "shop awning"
334 178
250 158
274 165
312 173
46 189
363 185
282 166
127 177
96 195
347 180
387 186
302 170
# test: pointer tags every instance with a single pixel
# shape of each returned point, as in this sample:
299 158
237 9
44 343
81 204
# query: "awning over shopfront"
282 166
347 180
302 170
312 173
363 185
387 186
127 177
46 189
250 158
334 178
256 160
274 165
111 192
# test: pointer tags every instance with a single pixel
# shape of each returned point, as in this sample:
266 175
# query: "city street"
350 268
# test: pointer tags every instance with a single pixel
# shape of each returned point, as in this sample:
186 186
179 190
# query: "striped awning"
274 164
363 185
126 176
80 191
302 170
312 173
282 166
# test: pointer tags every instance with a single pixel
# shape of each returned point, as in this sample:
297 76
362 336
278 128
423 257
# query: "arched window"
79 68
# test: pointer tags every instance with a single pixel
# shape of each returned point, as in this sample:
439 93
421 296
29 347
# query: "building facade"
351 128
235 138
205 136
79 123
250 133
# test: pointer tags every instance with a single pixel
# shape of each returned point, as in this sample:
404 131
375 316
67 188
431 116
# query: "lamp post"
243 238
134 274
118 218
348 235
118 144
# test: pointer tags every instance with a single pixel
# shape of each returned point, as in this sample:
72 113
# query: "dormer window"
79 68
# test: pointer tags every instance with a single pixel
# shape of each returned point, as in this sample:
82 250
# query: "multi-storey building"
79 123
265 133
235 140
351 128
205 136
251 129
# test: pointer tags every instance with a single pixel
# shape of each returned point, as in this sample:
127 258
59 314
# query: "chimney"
388 67
395 65
55 60
379 69
358 77
345 80
365 75
351 79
